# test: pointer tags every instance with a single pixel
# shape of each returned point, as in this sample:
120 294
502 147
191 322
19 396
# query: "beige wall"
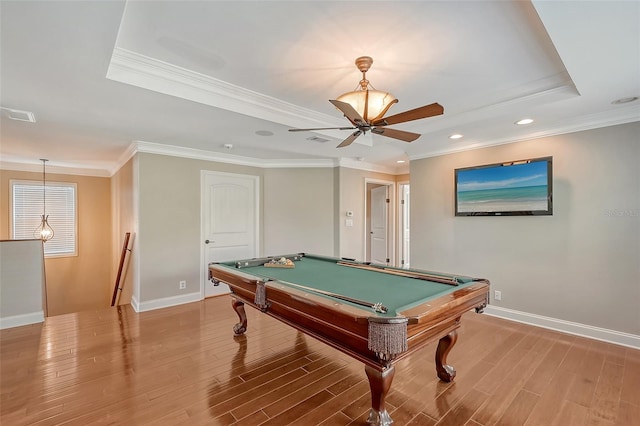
22 299
579 265
123 214
168 240
352 195
80 282
299 211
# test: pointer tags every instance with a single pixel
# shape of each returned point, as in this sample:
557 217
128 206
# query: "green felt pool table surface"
397 293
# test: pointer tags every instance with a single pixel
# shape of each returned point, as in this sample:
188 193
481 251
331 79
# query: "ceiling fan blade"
349 112
396 134
322 128
348 141
413 114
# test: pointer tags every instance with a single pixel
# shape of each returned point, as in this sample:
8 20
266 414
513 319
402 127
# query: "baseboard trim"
603 334
135 304
20 320
165 302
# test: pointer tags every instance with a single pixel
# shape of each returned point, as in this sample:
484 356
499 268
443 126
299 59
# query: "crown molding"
199 154
578 124
142 71
124 157
590 122
58 168
350 163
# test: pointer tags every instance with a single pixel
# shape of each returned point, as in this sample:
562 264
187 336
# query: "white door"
379 234
229 221
405 233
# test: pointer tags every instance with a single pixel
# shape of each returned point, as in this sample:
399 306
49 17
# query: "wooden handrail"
122 257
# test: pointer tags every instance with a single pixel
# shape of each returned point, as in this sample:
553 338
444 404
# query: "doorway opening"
380 220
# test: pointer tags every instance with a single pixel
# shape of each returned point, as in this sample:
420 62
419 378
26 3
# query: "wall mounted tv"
515 188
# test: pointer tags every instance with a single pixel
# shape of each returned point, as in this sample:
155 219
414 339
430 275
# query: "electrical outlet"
183 285
497 295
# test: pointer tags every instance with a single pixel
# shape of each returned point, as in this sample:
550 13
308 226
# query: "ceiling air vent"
317 139
16 114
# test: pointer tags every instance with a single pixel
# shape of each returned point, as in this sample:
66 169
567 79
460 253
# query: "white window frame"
50 185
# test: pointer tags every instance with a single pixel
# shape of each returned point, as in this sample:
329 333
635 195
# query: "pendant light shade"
371 104
44 231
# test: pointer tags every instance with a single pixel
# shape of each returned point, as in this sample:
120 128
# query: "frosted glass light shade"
378 103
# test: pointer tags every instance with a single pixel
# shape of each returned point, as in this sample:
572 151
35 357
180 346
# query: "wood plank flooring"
182 366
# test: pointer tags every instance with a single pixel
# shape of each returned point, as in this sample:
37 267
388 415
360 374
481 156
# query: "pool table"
373 313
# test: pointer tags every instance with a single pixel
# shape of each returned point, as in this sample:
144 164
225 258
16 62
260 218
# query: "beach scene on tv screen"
515 188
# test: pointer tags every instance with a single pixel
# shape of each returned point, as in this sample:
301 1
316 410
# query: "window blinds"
27 201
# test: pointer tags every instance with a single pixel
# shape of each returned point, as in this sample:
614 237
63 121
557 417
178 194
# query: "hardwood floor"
182 366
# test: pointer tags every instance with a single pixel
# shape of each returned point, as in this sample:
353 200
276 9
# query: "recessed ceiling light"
625 100
400 161
455 136
524 121
264 133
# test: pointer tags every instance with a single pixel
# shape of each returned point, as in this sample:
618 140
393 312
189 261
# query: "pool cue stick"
378 307
416 275
423 276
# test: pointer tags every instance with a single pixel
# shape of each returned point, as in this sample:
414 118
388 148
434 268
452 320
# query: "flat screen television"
515 188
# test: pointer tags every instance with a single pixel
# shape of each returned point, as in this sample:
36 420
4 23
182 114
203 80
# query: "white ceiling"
105 79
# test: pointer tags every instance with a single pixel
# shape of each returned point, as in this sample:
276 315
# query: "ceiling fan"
365 108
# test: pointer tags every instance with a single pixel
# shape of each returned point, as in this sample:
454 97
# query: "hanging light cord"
44 231
44 186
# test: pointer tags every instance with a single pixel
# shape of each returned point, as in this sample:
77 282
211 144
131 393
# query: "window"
27 208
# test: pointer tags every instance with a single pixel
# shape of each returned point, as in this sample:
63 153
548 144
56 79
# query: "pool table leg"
446 372
380 383
240 327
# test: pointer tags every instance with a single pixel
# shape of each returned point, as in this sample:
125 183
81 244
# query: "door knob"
207 241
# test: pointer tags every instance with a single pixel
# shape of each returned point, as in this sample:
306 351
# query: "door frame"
391 218
400 208
204 267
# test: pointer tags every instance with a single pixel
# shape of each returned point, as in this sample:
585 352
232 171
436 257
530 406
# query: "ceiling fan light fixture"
365 108
371 104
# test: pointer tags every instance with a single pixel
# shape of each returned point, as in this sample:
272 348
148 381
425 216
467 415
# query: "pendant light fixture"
371 104
44 231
